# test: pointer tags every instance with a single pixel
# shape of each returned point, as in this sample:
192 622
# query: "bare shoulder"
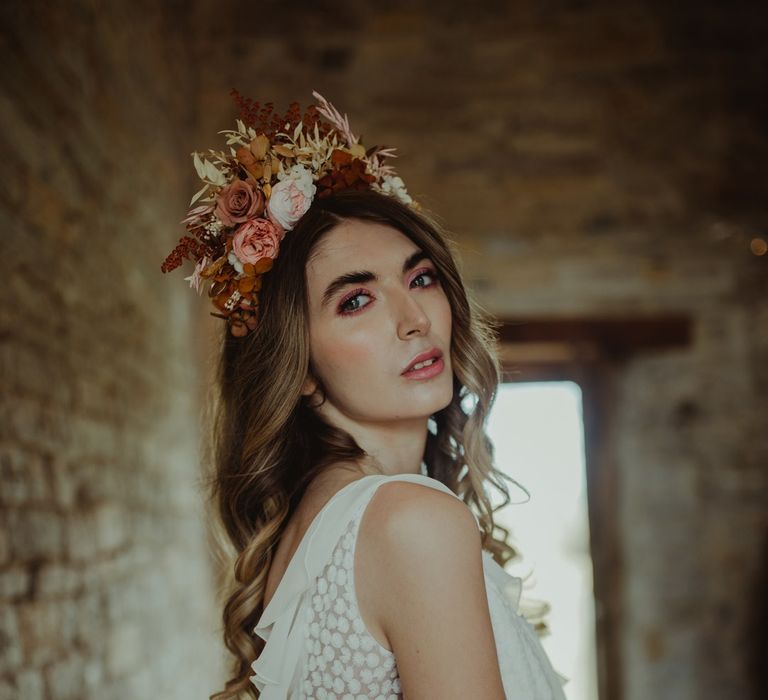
422 579
401 510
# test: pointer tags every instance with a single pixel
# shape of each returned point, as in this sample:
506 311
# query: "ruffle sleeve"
510 588
280 625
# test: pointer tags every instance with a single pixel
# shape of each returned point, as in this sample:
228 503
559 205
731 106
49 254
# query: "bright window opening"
538 433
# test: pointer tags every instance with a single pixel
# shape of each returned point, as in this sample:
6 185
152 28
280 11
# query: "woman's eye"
348 307
427 273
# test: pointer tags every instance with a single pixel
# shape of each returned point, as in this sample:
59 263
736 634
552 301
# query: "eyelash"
359 292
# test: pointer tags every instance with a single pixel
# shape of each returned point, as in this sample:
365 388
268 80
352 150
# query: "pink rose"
256 239
238 202
287 203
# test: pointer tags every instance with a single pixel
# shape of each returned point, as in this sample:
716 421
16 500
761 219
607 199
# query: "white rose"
303 178
394 185
289 201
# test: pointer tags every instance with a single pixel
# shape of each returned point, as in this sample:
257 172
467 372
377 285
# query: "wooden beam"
604 336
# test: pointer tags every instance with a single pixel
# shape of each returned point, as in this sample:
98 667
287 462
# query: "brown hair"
267 443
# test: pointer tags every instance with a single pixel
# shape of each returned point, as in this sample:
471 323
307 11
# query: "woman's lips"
426 372
431 354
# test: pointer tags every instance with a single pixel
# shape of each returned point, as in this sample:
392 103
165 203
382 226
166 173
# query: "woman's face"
366 329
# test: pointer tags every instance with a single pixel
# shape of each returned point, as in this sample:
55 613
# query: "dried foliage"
257 190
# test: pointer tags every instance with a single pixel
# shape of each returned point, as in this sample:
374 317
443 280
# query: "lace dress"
317 645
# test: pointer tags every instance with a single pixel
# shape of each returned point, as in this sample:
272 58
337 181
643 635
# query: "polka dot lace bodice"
343 661
317 645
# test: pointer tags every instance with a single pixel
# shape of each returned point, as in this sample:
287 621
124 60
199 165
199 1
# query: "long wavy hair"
267 443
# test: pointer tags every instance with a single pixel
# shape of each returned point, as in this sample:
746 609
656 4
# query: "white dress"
317 645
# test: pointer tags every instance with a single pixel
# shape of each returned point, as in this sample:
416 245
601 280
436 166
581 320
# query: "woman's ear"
312 390
309 387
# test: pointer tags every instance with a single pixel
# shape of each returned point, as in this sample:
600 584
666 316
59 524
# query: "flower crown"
258 191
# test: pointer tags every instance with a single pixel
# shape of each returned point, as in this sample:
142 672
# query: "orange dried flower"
348 174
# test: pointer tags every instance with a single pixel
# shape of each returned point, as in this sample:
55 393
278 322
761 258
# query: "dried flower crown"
258 191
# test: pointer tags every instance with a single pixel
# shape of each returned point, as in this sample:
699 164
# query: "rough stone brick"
125 649
14 583
35 534
55 579
47 628
30 685
65 678
5 546
10 648
23 478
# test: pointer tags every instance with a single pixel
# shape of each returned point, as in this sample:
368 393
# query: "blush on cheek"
354 355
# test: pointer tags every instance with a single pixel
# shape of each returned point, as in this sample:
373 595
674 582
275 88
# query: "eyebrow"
362 276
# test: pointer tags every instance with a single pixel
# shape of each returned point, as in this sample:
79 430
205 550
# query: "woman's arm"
422 576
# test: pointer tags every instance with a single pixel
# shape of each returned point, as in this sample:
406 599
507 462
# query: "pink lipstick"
435 365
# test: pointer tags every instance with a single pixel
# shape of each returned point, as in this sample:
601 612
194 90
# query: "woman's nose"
411 316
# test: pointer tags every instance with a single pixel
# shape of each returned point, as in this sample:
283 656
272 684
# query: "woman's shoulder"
413 538
416 525
405 508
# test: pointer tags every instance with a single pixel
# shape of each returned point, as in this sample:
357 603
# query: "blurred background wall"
600 164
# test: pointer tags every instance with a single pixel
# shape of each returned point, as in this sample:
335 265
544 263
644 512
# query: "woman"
348 462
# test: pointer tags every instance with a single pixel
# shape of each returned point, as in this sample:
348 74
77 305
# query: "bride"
351 464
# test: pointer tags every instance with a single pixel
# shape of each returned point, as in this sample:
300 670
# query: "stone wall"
105 582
